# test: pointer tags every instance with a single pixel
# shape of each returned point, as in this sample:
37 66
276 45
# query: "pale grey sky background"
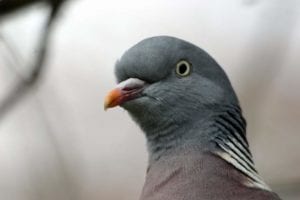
58 143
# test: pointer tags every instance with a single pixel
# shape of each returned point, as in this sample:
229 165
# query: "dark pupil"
182 68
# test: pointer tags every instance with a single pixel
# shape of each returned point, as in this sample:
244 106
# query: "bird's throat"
174 138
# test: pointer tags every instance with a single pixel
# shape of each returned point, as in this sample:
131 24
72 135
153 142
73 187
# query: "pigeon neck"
230 124
223 134
231 145
174 135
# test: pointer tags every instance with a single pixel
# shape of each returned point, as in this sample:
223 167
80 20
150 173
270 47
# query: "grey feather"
190 123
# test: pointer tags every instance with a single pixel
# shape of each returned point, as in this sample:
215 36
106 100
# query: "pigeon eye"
183 68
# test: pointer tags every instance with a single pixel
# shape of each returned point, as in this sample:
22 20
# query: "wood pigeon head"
164 81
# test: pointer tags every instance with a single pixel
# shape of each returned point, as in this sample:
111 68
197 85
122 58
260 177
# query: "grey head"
173 101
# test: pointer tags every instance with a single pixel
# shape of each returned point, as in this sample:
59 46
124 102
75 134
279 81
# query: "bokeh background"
56 141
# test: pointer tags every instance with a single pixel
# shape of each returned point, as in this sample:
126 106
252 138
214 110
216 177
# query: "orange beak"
124 91
113 98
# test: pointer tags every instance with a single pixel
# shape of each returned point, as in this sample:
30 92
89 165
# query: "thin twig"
24 86
11 6
14 60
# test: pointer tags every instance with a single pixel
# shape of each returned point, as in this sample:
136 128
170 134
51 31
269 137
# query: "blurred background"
56 65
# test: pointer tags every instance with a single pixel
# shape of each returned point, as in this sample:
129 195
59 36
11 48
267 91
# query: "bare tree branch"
9 6
25 85
14 59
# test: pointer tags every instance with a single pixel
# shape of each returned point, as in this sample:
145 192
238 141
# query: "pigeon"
196 134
